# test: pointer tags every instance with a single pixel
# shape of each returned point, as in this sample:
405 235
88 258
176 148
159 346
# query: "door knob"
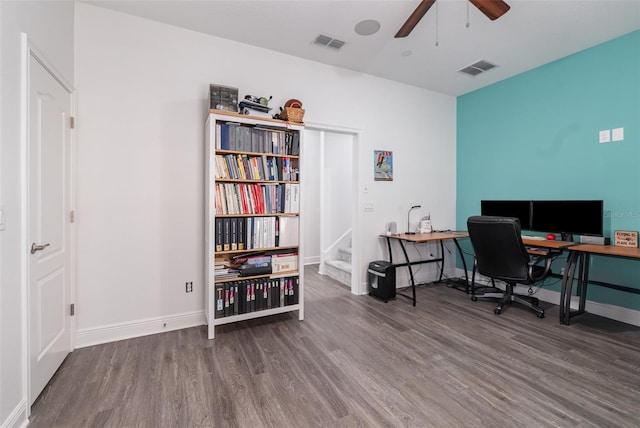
35 247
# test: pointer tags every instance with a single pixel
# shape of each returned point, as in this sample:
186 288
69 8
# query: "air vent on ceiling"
329 42
477 68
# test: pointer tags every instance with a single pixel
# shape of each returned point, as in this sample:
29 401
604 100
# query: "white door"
49 184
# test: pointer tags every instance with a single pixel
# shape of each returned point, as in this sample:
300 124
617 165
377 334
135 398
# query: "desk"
420 238
535 247
545 243
579 255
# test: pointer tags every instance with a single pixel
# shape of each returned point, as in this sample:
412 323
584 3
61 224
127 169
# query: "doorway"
331 182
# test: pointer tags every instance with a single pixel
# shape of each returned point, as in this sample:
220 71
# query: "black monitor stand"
567 237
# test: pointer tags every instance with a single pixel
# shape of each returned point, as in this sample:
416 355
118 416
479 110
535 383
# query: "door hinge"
72 122
72 216
73 309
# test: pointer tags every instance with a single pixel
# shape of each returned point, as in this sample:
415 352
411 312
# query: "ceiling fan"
494 9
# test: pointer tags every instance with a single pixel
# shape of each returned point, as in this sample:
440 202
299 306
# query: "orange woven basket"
293 114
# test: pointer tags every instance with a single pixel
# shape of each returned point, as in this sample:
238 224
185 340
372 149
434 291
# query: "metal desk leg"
582 284
464 265
413 283
442 262
567 284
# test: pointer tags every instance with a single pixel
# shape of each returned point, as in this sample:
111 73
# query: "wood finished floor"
358 362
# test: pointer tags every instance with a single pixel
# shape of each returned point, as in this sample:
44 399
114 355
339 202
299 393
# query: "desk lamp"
409 232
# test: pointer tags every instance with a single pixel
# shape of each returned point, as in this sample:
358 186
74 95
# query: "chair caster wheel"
497 311
474 298
540 315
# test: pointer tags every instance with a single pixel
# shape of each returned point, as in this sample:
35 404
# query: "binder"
234 234
242 297
224 136
232 299
226 299
259 295
252 286
241 236
219 301
226 244
295 144
219 234
247 307
236 303
287 198
295 198
282 295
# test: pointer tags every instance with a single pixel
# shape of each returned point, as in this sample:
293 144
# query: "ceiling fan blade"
415 17
494 9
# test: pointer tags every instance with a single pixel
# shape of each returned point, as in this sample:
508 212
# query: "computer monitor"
518 209
568 217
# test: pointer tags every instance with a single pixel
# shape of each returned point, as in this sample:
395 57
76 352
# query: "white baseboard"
618 313
115 332
311 260
18 417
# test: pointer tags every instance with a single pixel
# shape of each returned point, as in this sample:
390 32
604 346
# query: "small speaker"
392 228
597 240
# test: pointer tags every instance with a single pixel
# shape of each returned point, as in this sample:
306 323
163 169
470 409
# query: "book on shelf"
284 262
234 233
219 233
288 231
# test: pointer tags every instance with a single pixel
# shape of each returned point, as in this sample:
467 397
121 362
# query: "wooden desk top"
427 237
608 250
545 243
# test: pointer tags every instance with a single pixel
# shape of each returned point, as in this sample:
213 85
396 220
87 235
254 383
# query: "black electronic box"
381 280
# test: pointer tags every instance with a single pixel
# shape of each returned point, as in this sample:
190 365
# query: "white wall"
311 176
338 177
49 26
142 89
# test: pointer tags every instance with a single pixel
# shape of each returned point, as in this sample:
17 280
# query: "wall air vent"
329 42
477 68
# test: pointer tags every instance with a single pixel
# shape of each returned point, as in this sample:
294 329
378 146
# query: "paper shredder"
381 280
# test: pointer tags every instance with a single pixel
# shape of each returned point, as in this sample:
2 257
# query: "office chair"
501 255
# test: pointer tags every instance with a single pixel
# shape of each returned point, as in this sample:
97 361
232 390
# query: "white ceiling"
532 33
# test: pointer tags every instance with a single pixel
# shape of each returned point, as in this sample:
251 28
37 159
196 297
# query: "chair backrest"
498 247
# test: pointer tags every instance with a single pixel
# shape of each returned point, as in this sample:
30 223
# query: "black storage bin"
381 280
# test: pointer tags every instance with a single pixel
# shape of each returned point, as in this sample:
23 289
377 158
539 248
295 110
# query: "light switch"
2 226
617 134
605 136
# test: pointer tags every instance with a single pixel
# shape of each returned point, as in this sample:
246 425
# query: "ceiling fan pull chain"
468 15
437 42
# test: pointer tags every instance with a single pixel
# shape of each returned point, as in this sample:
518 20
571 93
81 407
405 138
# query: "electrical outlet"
188 287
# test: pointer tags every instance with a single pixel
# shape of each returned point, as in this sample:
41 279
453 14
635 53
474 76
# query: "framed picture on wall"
382 165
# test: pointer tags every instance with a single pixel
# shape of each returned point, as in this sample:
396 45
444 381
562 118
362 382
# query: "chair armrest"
535 261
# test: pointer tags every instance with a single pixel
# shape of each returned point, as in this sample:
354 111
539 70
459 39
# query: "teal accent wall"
536 136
